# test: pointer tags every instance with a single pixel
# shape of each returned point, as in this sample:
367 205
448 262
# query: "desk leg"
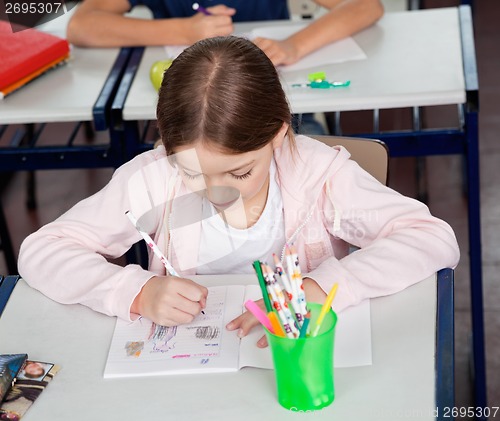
6 243
445 343
472 153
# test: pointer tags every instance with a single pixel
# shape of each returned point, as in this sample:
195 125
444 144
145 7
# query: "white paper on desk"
353 340
337 52
353 337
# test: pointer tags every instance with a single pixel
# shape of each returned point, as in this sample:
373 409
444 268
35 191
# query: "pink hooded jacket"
329 202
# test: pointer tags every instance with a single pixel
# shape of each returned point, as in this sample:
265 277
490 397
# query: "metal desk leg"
445 343
476 288
6 243
474 202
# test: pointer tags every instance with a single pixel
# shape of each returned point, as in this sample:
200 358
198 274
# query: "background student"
101 23
230 185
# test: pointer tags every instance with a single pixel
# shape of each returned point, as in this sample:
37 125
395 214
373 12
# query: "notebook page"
250 355
142 348
353 341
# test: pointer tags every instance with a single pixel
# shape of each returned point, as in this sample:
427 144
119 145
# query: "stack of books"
26 54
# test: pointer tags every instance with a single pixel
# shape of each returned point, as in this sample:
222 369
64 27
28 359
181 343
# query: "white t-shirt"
224 249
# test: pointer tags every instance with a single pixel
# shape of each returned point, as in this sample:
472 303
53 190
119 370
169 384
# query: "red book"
26 54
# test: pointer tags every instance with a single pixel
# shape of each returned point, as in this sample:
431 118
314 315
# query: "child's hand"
279 52
246 322
314 293
170 300
222 10
219 23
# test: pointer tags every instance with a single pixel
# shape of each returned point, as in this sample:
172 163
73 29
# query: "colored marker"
303 329
297 273
278 330
292 297
326 306
253 308
262 283
152 245
290 273
279 303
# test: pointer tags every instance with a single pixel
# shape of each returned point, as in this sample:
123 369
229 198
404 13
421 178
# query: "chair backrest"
372 155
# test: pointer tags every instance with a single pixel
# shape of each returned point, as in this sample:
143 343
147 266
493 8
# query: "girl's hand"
246 322
314 293
219 23
170 300
221 10
279 52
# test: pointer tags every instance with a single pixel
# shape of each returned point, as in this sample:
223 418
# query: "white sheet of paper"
353 337
337 52
353 340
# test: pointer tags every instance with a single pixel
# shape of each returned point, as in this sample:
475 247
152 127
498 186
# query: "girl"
229 186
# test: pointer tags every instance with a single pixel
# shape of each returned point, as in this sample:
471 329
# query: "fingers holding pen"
221 10
170 300
208 26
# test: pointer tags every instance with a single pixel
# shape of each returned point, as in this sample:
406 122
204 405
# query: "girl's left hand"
279 52
246 322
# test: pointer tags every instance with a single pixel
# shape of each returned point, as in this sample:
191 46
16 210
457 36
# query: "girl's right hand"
170 300
219 23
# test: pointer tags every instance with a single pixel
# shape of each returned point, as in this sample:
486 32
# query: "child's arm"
67 259
170 300
344 18
101 23
400 242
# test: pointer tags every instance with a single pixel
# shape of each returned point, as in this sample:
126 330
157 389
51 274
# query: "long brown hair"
224 91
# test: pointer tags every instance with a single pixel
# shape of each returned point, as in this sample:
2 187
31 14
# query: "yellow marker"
275 323
326 306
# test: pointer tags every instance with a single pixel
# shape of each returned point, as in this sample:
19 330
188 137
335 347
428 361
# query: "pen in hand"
201 9
152 245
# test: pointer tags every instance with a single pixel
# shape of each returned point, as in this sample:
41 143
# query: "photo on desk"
34 370
26 390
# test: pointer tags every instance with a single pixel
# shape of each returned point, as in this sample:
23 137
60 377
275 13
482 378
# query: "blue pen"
303 329
201 9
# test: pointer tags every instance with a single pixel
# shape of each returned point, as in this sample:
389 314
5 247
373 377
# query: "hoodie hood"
302 173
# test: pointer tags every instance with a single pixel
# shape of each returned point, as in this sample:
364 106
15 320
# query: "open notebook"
142 348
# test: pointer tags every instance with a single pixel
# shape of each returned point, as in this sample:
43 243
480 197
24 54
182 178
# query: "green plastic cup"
304 366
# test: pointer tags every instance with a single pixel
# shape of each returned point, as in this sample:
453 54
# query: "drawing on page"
134 348
198 339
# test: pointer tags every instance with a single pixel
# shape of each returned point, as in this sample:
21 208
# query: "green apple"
157 70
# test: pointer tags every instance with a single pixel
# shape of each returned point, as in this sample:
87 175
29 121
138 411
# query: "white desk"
67 93
401 379
405 67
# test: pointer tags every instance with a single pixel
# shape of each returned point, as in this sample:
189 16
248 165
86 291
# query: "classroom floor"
59 190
